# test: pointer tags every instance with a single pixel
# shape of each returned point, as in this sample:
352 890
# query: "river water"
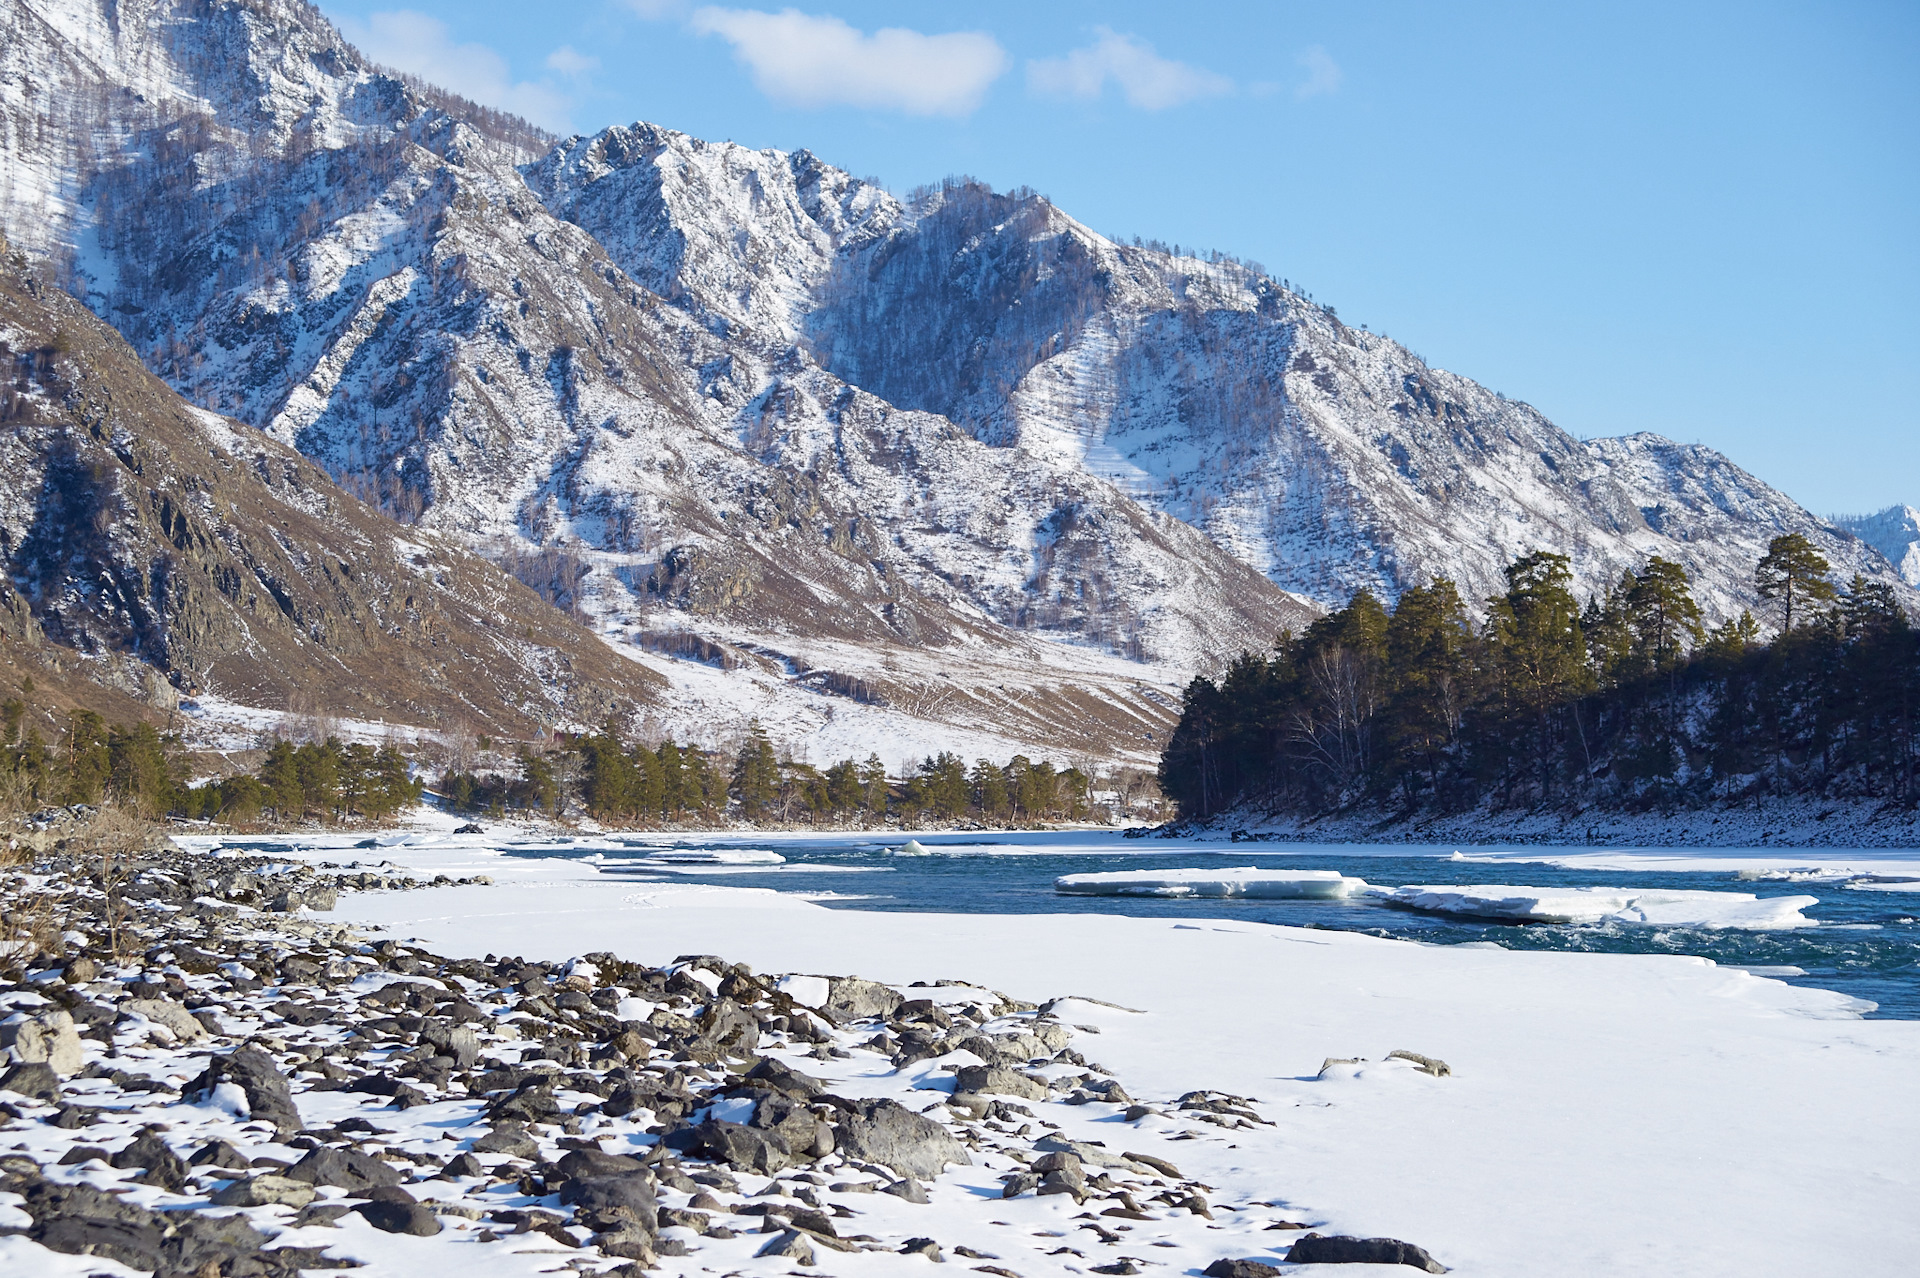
1866 944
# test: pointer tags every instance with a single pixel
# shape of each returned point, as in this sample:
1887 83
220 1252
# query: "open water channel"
1866 942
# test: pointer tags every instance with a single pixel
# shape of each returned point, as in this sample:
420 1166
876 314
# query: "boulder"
922 1247
851 999
1087 1152
735 1144
169 1015
791 1245
585 1164
269 1099
344 1169
459 1042
147 1151
730 1028
888 1133
265 1191
35 1079
998 1080
510 1139
1315 1249
400 1218
793 1122
782 1077
217 1153
50 1039
629 1197
1240 1269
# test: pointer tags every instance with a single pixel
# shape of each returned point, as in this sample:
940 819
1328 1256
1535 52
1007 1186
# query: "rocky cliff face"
166 550
956 451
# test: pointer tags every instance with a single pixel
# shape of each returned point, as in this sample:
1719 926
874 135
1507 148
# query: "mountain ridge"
705 395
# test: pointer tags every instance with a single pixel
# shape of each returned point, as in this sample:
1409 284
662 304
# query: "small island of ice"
1607 905
1312 885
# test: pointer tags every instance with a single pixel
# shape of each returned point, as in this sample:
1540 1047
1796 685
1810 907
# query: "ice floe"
1247 881
1607 905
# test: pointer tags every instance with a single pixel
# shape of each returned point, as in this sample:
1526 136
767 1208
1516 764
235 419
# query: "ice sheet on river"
1313 885
1607 905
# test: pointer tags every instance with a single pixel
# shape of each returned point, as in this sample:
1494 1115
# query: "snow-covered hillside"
741 407
1895 533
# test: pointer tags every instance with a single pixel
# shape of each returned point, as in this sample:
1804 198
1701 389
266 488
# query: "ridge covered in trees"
1627 701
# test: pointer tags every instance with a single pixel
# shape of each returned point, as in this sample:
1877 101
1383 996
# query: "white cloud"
569 61
1323 74
422 45
1146 79
813 60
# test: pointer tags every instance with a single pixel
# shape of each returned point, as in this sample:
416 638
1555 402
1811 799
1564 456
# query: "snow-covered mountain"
952 468
1895 533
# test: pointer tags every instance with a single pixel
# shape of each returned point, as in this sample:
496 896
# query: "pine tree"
756 773
1795 573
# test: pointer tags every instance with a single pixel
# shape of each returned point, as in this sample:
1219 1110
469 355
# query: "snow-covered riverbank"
1604 1114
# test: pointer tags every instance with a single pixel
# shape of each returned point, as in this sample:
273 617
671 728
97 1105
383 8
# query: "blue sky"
1696 219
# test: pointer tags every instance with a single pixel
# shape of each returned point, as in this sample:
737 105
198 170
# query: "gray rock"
998 1080
922 1247
735 1144
585 1164
169 1015
909 1190
400 1218
217 1153
1240 1269
51 1039
1314 1249
269 1099
972 1104
510 1139
781 1077
265 1191
791 1245
793 1122
851 999
343 1168
1018 1184
1160 1165
1425 1064
1090 1154
35 1079
628 1244
888 1133
457 1041
630 1197
156 1157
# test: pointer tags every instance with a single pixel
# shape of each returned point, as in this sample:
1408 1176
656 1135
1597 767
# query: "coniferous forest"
1627 701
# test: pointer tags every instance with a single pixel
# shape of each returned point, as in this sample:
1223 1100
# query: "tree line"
615 781
1626 701
135 765
622 782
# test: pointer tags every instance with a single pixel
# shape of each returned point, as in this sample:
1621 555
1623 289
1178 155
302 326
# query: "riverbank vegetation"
1627 701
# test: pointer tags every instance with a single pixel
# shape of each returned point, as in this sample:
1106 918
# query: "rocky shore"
206 1078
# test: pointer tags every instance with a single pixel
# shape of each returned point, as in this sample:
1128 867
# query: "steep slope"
1327 457
315 249
1895 533
162 550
